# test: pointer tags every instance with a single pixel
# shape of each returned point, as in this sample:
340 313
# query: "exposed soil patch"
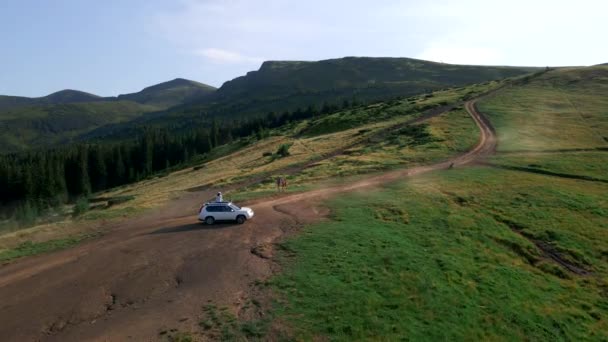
547 249
264 251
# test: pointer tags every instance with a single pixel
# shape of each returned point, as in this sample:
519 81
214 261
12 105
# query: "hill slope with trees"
296 86
65 115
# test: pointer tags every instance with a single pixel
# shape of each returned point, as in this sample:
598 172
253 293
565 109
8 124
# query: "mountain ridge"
294 84
276 87
179 87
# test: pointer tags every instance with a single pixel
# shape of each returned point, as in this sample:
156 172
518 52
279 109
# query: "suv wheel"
209 220
240 219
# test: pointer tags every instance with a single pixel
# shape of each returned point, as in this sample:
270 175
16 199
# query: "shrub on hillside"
81 206
283 150
26 214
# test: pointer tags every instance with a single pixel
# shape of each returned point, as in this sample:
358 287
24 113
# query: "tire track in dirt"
548 251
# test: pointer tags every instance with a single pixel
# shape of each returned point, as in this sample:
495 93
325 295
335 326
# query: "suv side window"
212 208
227 209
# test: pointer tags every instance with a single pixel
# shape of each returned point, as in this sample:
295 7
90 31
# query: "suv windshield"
235 207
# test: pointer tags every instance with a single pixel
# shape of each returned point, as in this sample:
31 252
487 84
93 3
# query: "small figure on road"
219 198
281 184
451 166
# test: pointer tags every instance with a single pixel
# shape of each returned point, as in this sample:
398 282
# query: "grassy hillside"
285 77
514 250
434 258
47 125
562 109
303 83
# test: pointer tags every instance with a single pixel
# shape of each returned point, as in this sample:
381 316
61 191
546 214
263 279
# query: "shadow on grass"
545 172
193 227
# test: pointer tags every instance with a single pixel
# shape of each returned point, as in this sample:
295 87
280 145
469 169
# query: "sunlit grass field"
585 164
563 109
431 259
479 253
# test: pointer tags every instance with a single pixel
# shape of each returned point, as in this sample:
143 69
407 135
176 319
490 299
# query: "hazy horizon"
113 48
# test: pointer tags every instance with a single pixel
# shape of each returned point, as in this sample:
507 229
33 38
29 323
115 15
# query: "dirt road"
154 273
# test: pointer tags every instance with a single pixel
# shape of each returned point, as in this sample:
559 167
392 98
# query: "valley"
472 212
211 170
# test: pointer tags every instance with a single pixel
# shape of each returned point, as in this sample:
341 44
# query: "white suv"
223 211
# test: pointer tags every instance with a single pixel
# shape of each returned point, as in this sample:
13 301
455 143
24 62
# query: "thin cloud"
227 57
461 55
232 35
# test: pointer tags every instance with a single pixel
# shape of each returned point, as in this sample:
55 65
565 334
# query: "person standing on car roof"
219 198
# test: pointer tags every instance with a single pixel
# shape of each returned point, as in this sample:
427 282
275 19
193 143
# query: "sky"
114 47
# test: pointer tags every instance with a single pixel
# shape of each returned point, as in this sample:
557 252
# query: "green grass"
562 109
443 136
431 259
586 164
451 133
32 248
347 119
256 192
456 255
448 134
220 324
411 106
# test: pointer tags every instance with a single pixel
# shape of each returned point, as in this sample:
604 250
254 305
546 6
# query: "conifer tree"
83 183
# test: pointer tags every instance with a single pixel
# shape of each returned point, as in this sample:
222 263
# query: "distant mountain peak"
180 80
69 96
71 92
177 82
170 93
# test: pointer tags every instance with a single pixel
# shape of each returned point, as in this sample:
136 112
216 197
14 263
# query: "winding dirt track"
154 273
